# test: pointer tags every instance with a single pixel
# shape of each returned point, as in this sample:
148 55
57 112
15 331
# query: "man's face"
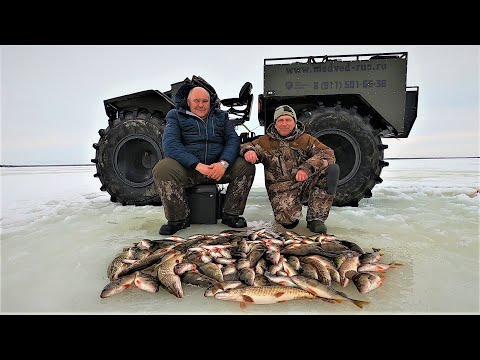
199 102
285 125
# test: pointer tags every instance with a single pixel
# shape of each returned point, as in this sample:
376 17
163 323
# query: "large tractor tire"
127 151
357 146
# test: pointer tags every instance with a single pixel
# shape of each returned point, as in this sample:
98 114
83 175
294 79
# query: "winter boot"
234 221
292 225
317 226
171 227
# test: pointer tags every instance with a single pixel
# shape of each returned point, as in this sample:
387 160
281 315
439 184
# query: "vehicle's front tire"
127 151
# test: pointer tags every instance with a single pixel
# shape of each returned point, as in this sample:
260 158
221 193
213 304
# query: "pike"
167 276
147 261
119 264
264 294
318 289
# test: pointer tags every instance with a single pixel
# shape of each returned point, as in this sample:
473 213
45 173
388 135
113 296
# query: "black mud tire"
358 150
127 151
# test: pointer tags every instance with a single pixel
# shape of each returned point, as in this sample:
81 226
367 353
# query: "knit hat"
284 110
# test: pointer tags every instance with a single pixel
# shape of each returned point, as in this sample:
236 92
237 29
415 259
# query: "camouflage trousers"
288 197
172 179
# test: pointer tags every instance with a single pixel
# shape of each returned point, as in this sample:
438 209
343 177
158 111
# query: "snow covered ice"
59 232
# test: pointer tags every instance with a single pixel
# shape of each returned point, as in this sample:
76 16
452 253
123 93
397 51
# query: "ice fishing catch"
250 266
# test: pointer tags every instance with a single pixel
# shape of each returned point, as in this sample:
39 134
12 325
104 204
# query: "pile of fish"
258 266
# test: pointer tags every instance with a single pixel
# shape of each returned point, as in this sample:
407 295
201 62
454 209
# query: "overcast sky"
52 96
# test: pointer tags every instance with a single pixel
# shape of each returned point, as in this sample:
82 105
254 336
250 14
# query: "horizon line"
398 158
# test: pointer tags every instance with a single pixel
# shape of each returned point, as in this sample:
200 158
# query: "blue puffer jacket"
191 140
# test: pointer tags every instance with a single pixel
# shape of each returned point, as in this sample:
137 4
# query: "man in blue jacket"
201 146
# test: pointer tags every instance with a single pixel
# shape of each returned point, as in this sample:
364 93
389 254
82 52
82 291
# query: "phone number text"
349 84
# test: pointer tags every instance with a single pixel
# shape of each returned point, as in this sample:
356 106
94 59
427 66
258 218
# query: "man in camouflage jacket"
299 169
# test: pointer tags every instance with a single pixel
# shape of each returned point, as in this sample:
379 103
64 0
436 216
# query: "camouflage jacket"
282 156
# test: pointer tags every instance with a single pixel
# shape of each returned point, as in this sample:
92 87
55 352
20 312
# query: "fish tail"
360 303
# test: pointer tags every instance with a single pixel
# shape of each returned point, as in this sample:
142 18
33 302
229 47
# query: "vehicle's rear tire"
127 151
357 146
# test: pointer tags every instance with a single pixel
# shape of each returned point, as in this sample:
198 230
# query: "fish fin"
331 301
381 275
376 249
243 305
360 303
219 285
280 293
311 290
247 299
393 263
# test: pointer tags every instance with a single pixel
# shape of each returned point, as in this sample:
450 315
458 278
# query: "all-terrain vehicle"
349 102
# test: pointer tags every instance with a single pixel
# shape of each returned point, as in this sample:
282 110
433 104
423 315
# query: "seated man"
201 147
298 169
